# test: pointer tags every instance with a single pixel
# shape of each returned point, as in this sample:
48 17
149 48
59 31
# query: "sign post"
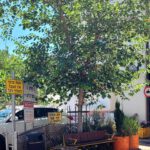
14 87
28 112
13 118
29 95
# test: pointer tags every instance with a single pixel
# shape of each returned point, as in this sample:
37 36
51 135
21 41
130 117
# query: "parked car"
40 119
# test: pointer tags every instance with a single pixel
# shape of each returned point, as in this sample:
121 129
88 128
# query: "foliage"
87 126
83 44
95 120
111 124
79 47
125 125
131 125
107 128
119 119
145 124
8 63
92 123
95 123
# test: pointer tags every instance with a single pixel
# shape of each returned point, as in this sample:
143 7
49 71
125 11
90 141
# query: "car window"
38 113
20 115
51 110
4 113
43 112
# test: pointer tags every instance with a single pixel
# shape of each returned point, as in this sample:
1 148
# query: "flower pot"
148 132
144 132
121 143
134 142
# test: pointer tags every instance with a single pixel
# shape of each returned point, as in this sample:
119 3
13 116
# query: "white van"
40 119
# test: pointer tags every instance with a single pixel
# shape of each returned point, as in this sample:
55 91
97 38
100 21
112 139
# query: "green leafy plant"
108 128
131 125
119 119
94 122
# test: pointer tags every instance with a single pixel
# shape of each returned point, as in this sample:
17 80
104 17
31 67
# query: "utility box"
35 141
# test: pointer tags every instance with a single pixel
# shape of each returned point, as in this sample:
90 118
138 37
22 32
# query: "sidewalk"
144 147
144 144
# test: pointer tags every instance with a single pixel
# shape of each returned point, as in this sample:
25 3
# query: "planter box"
144 132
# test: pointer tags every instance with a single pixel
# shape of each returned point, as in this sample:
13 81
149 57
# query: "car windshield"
4 113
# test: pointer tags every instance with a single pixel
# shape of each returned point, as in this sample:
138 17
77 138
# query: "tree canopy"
88 45
80 47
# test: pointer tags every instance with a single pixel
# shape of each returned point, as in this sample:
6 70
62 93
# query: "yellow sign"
147 20
54 117
14 87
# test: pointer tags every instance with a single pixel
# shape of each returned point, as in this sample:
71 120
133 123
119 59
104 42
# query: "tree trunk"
80 103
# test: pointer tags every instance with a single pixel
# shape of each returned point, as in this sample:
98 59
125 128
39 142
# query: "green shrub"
119 119
131 125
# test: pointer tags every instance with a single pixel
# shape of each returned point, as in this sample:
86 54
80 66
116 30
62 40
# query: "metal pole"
86 116
75 115
6 139
14 140
70 117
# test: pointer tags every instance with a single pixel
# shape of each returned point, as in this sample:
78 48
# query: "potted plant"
132 126
121 138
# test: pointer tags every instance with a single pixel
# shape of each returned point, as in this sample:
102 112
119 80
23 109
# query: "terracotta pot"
134 142
121 143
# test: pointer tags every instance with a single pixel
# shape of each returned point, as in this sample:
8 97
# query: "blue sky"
17 32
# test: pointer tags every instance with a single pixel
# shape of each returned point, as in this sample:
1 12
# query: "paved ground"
144 144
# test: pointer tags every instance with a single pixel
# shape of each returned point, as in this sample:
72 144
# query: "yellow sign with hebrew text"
14 87
54 117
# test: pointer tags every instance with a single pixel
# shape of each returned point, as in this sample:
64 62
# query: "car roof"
20 107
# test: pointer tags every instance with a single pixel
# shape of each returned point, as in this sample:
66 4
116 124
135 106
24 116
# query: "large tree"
80 47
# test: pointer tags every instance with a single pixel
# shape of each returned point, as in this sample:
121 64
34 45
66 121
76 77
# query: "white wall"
135 104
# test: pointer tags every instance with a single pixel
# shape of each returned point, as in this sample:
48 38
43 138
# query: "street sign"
30 89
147 91
147 20
28 115
28 104
14 87
54 117
30 92
28 112
29 97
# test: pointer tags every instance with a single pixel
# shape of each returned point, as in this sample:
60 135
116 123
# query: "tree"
86 47
119 118
8 63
